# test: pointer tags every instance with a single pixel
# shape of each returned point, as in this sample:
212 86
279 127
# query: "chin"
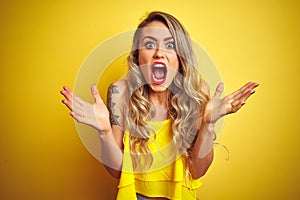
158 88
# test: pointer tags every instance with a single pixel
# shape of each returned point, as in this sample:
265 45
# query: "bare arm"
97 116
202 152
116 99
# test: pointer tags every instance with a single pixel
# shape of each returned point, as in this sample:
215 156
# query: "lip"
158 81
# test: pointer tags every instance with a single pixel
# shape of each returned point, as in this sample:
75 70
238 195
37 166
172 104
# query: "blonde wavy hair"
186 98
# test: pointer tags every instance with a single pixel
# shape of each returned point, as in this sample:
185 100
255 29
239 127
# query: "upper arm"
116 104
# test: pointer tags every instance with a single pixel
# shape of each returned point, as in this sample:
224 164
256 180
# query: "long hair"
186 99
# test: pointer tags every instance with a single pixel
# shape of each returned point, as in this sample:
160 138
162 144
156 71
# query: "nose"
158 53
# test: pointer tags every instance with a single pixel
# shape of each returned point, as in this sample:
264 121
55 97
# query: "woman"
157 130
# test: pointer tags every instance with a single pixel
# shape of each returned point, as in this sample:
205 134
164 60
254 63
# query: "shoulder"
118 95
118 87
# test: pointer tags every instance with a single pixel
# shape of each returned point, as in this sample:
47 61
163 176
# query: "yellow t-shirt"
166 177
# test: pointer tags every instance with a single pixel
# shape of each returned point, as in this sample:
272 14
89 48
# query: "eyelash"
172 43
151 45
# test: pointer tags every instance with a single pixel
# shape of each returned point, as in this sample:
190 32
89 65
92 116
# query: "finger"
96 94
247 95
235 106
77 117
74 103
244 94
219 90
238 103
67 103
242 90
67 91
67 95
242 97
250 87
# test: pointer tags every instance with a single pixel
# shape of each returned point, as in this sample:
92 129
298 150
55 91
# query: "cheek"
174 62
144 61
143 57
146 72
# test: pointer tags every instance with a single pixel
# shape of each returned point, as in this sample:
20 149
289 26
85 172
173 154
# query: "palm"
217 108
102 116
95 115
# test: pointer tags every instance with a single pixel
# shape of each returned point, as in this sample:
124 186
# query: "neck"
159 98
159 108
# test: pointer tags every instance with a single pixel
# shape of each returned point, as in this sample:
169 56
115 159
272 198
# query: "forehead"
156 29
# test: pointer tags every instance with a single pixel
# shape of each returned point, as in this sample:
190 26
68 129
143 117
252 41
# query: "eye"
170 45
149 45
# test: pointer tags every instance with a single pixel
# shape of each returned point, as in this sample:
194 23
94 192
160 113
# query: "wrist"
105 132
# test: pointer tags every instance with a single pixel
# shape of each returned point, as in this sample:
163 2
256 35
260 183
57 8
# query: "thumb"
96 94
219 90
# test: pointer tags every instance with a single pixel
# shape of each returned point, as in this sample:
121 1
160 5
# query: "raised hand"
217 108
95 115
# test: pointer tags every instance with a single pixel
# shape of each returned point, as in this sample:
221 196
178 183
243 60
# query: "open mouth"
159 73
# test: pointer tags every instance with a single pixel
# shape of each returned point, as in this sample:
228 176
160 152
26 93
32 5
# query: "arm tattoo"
113 89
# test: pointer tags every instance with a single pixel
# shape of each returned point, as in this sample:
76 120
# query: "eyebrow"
153 38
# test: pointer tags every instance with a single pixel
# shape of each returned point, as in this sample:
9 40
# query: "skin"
159 50
157 45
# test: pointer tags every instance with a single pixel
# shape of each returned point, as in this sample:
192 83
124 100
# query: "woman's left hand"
217 108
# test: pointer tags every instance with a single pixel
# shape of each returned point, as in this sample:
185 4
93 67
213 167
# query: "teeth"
159 65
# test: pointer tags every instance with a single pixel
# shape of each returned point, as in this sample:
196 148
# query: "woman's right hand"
95 115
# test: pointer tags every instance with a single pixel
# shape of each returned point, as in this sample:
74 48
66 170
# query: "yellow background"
43 44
